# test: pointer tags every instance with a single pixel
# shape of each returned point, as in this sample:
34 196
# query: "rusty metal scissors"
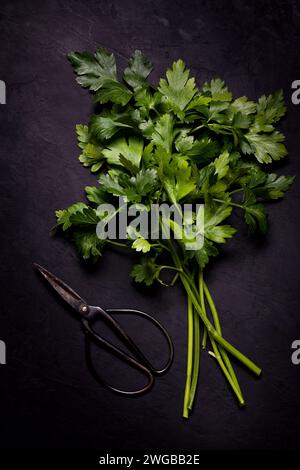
89 314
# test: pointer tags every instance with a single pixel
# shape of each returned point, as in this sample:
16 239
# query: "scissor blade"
65 291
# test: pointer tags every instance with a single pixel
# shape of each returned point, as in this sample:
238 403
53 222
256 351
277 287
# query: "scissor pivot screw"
84 309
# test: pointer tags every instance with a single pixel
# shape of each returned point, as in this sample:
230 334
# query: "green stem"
123 245
236 191
204 338
225 372
219 353
196 364
218 338
213 310
202 303
162 245
171 268
191 291
189 360
234 204
218 328
189 286
198 128
153 245
174 279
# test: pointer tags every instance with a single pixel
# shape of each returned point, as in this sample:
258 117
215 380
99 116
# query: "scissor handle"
135 348
93 335
138 362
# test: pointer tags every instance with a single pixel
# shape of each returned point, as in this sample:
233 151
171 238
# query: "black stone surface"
47 397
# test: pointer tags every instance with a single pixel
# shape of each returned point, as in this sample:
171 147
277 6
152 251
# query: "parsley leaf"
63 217
255 214
178 181
243 105
106 125
133 188
222 164
178 89
139 67
202 256
95 195
141 245
163 132
265 147
88 244
93 69
130 149
203 150
269 110
146 271
113 91
87 216
184 142
274 186
91 155
217 90
212 218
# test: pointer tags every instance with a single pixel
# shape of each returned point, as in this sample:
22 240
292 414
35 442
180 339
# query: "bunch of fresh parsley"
176 143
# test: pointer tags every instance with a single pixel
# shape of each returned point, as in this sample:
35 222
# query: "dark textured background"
47 397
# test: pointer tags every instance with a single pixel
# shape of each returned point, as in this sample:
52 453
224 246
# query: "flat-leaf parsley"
176 143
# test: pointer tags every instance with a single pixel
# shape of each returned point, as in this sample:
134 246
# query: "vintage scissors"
89 314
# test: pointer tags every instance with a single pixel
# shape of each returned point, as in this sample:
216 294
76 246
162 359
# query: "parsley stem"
173 268
198 128
192 293
153 245
218 328
223 342
219 339
196 363
234 204
173 282
225 372
155 110
162 245
112 242
218 351
236 191
201 293
189 287
189 360
204 338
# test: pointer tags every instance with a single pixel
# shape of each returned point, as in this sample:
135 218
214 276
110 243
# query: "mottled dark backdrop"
47 397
